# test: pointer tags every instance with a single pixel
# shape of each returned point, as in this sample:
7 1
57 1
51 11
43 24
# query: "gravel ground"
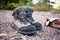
47 33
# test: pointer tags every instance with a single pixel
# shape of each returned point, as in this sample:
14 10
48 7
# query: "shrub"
12 6
41 8
2 7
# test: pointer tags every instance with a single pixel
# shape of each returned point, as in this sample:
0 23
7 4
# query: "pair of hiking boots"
28 25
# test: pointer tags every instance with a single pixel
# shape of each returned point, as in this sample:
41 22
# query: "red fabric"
57 22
